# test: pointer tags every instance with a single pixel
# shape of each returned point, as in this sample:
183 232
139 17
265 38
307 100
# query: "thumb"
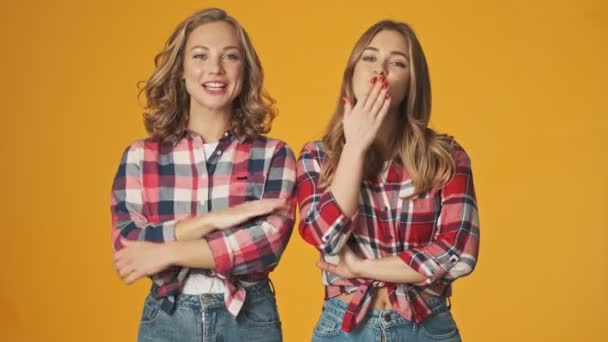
347 106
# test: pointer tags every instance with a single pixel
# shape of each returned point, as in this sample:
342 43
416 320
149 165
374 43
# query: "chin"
214 104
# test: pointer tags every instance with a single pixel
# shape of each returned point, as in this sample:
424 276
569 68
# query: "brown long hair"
168 101
426 155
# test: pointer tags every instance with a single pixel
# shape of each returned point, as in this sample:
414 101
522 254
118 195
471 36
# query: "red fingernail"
374 79
385 85
387 96
343 100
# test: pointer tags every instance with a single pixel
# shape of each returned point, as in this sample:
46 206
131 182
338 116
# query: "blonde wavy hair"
426 155
168 102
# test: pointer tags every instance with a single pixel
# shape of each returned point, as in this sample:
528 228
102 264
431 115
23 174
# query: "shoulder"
134 151
149 145
313 150
271 146
459 155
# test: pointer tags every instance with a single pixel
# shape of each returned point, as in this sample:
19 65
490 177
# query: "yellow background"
522 85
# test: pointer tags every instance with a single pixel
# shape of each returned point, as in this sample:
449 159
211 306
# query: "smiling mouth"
214 85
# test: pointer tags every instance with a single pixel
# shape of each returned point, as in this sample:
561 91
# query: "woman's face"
387 54
213 66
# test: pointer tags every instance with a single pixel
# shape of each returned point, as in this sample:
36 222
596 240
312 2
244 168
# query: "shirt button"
387 317
218 153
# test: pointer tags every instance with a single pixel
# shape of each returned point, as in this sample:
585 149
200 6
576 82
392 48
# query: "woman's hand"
139 259
362 121
242 213
197 227
349 266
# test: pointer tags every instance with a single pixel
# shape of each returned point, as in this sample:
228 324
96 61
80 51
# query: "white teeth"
214 85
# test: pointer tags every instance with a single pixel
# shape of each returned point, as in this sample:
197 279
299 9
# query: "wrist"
170 252
206 223
194 228
360 268
181 230
354 149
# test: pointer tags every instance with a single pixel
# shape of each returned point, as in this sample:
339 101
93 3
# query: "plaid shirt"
157 185
437 233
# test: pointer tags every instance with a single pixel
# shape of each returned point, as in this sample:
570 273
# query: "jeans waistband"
337 308
212 300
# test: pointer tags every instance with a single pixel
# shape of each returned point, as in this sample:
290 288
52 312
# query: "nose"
380 69
215 66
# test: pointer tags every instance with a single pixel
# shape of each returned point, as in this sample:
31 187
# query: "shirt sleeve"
454 251
128 220
257 246
322 222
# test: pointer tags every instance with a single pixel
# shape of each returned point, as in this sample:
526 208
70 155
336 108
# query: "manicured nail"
374 79
387 96
385 85
343 100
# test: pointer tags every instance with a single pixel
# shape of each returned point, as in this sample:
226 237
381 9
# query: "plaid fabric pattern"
436 233
156 185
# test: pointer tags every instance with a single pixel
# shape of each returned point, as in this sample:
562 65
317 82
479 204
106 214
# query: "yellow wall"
522 86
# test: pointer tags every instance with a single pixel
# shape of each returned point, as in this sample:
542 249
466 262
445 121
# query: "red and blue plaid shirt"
158 184
436 233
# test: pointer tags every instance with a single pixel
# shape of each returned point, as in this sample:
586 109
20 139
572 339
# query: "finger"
375 91
281 212
117 255
134 276
325 266
266 206
277 207
284 207
120 263
347 107
122 255
366 93
379 101
276 204
125 270
383 110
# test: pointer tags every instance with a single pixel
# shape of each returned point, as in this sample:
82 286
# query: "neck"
209 123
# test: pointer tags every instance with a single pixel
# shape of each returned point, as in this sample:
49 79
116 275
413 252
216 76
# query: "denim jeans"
387 325
202 318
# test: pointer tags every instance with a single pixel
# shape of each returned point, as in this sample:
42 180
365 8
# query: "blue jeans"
205 318
387 325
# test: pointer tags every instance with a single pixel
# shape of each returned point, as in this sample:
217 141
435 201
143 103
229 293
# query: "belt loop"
449 303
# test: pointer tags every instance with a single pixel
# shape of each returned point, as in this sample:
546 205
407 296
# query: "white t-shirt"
197 282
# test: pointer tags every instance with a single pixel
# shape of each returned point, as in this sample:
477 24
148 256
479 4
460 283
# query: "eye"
200 56
232 57
368 58
399 64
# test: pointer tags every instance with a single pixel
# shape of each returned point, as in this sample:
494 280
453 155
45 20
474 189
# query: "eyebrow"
206 48
392 52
